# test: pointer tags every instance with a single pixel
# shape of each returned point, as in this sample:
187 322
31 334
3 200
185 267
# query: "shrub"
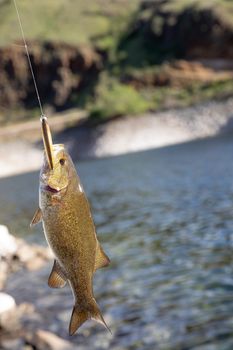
115 99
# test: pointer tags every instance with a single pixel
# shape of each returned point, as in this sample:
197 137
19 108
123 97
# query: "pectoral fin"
57 278
101 259
37 217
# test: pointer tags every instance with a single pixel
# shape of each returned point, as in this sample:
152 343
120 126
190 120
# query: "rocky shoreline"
32 316
16 255
123 135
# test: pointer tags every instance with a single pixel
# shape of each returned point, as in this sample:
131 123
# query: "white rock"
7 303
45 340
8 244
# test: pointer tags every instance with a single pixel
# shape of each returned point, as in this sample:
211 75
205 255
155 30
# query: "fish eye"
62 161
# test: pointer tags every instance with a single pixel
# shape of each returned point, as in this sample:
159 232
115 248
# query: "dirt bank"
61 71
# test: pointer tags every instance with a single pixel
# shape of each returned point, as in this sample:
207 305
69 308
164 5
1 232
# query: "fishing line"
29 60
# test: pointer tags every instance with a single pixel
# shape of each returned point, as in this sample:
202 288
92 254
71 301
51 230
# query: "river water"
165 217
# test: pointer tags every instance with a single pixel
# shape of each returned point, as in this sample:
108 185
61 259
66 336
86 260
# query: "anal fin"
101 259
37 217
57 278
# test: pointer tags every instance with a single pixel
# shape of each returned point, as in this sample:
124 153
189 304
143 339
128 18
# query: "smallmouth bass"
69 230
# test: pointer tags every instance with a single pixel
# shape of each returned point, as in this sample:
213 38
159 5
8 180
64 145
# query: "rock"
11 320
12 327
44 340
61 70
6 303
13 344
8 244
35 264
15 253
3 273
33 257
25 252
188 31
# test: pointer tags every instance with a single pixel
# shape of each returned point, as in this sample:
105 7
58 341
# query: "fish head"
58 169
55 179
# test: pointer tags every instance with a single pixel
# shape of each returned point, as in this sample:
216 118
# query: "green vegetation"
72 21
114 99
167 97
222 8
130 51
81 21
133 53
10 115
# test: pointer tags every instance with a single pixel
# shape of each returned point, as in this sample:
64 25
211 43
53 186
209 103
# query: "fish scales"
70 232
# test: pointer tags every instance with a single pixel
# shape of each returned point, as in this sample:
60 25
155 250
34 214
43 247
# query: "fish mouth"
50 189
47 139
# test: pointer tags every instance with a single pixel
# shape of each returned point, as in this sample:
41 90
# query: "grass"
173 97
114 99
11 115
72 21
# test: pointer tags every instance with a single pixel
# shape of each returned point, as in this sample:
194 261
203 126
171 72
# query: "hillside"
114 58
71 21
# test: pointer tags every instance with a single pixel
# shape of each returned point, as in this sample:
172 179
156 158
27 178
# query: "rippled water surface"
165 217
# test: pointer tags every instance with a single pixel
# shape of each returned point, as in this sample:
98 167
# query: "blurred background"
141 93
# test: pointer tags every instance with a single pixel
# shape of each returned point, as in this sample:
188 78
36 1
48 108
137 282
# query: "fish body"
70 232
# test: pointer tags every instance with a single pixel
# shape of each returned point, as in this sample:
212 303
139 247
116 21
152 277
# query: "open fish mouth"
50 189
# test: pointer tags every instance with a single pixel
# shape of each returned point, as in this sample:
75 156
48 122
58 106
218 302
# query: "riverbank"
122 135
28 318
133 59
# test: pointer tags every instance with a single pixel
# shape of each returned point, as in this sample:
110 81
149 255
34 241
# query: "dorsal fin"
57 278
101 259
37 217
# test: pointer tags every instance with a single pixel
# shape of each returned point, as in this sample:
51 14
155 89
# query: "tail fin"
81 314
